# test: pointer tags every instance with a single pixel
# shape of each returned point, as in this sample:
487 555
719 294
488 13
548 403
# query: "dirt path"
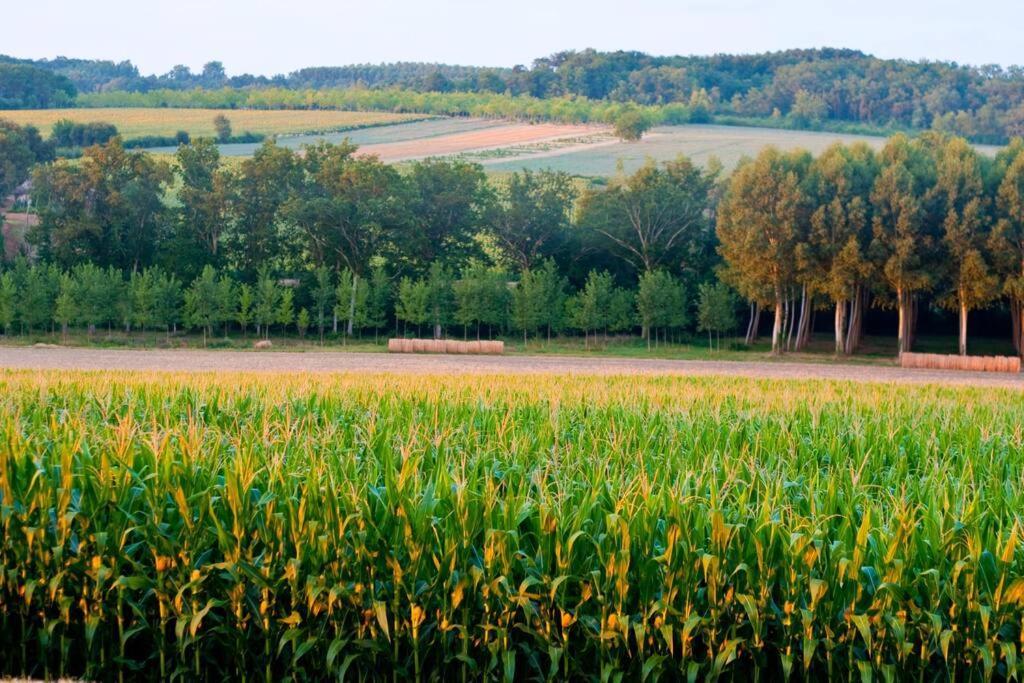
335 361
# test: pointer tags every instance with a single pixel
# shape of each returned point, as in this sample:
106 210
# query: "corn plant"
256 527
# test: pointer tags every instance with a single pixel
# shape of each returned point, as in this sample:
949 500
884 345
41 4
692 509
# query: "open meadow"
529 527
145 122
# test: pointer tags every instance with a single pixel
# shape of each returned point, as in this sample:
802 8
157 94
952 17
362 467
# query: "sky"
263 37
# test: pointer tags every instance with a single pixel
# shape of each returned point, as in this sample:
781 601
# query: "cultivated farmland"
142 122
601 157
430 527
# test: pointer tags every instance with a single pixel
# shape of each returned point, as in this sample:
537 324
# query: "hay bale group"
445 346
938 361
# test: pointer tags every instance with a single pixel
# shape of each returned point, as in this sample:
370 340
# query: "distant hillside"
796 88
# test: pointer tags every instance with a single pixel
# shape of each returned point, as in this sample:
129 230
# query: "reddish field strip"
487 138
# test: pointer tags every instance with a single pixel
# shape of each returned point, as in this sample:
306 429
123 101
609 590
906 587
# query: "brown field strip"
475 140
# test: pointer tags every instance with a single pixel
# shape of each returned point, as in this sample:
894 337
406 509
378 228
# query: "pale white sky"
264 37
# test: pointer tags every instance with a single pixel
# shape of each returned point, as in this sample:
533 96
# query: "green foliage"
481 297
716 309
268 302
302 322
413 303
8 294
591 309
106 209
204 306
20 148
23 86
661 302
222 125
631 125
66 133
655 217
245 313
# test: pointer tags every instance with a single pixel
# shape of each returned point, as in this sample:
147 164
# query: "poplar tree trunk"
901 336
790 321
963 328
755 323
777 326
856 321
352 306
803 329
840 328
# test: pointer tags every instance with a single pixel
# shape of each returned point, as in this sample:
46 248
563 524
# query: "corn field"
257 527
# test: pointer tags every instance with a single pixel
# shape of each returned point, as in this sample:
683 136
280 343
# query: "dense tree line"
799 88
435 247
926 220
23 86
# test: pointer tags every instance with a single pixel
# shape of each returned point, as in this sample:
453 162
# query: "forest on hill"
815 88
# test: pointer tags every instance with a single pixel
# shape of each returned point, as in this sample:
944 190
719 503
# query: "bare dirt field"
328 361
494 137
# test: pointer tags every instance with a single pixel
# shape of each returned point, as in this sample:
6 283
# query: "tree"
656 218
413 304
716 309
761 220
38 286
440 297
965 221
167 297
108 209
267 302
660 302
227 294
445 202
142 286
24 86
203 305
531 215
323 298
621 310
302 323
251 238
285 313
65 310
631 125
553 286
244 314
20 148
205 197
836 253
528 303
222 126
97 293
8 294
1006 243
902 245
590 309
481 297
346 208
351 298
379 300
808 109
